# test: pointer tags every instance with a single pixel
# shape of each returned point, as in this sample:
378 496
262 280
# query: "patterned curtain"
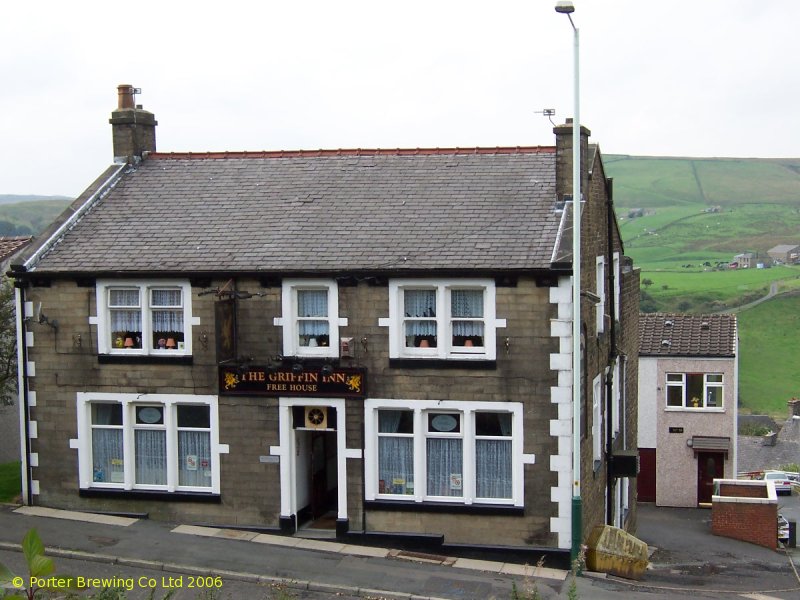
167 320
445 462
107 465
493 468
419 303
467 304
312 303
194 458
151 456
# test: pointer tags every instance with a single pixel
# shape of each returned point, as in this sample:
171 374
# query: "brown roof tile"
668 334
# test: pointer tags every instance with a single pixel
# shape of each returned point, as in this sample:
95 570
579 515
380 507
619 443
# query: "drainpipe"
22 395
612 352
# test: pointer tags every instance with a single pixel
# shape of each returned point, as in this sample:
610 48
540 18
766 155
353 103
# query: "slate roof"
783 248
320 211
665 334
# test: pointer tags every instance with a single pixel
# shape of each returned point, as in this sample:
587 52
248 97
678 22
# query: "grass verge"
10 481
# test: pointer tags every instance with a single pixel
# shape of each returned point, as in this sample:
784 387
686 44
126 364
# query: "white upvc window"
444 451
310 318
617 286
144 318
442 319
160 442
597 419
702 391
600 290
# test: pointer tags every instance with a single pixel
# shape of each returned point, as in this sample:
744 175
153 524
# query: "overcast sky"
668 78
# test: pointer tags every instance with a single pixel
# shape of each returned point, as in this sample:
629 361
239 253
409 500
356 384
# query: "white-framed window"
617 285
597 419
444 451
310 317
702 391
144 318
166 442
616 416
600 290
443 319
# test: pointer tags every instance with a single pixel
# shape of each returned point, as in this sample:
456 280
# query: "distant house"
687 406
744 260
785 253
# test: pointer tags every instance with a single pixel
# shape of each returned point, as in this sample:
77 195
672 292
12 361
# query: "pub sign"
253 380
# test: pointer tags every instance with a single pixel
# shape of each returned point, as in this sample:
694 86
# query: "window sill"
150 495
443 363
444 507
143 359
693 410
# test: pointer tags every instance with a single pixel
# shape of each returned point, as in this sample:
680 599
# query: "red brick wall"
754 523
743 491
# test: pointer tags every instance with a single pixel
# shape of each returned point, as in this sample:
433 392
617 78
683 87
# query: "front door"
709 467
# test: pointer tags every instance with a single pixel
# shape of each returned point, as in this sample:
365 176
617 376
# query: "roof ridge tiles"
457 151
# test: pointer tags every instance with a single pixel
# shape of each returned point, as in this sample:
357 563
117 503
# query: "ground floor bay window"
444 451
160 442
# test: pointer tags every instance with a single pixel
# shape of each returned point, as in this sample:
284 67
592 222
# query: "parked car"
783 529
783 480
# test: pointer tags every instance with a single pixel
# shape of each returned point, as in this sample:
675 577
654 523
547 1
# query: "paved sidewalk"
303 565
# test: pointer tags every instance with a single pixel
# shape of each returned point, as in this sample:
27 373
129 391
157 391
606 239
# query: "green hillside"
644 182
29 217
769 355
693 216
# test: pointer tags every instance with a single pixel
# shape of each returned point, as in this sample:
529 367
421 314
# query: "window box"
144 318
442 319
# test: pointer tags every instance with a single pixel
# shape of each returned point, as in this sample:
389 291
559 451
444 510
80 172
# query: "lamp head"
565 7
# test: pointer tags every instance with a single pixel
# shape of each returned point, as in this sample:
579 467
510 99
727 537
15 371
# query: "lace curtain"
166 319
107 465
420 303
493 468
312 303
467 304
445 467
194 458
151 456
395 456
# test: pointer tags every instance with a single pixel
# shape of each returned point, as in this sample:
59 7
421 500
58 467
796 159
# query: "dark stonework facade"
458 411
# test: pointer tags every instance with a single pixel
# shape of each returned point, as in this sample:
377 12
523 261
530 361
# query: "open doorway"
316 479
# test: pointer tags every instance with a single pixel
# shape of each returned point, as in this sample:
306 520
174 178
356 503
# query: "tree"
647 283
8 343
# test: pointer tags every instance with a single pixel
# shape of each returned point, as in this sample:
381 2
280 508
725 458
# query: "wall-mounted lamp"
327 369
297 368
365 344
690 442
507 345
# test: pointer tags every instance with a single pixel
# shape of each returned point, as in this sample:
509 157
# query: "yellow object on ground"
612 550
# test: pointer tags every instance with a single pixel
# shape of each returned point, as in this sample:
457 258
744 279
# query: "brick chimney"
564 159
133 129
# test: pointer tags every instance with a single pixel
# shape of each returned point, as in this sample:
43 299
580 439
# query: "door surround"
287 453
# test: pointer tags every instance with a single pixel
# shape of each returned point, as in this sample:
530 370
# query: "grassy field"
769 356
10 481
643 181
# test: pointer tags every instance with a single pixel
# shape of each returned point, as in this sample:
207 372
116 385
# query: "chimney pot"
125 96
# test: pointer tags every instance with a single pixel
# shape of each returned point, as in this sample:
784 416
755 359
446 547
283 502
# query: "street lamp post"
567 7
